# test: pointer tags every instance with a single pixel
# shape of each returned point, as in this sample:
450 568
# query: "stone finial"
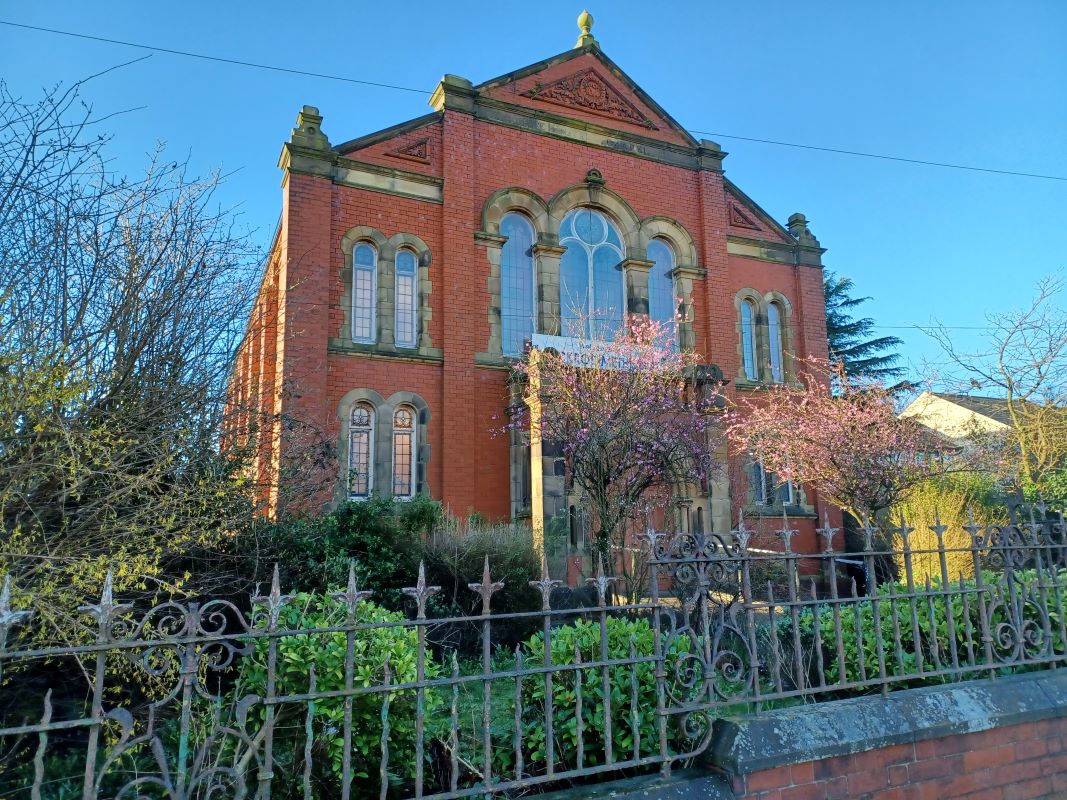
585 25
798 226
308 131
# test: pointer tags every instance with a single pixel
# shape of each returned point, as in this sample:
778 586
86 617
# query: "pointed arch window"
592 292
774 339
364 292
516 284
661 298
406 298
360 452
404 452
748 339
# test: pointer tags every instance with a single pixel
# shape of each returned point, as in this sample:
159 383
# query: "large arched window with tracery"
516 283
592 294
661 302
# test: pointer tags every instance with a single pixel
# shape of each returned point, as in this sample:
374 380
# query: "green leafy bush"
942 624
382 536
325 652
584 637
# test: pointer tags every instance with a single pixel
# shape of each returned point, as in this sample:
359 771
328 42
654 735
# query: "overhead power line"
888 158
396 87
205 57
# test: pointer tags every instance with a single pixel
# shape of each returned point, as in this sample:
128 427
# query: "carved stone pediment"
416 151
740 219
589 90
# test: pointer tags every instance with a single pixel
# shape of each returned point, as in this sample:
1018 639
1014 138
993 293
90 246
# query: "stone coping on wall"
826 730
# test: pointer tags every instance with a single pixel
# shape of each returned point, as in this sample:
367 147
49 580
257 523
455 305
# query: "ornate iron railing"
198 700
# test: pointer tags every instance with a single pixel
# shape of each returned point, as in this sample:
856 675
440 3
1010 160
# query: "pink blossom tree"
635 418
846 442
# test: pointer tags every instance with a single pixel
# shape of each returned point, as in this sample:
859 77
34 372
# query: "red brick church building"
412 265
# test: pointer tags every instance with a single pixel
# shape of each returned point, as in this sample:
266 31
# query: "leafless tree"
1023 360
121 302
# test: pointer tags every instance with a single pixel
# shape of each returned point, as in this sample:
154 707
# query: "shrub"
935 633
382 536
950 498
455 559
584 637
325 652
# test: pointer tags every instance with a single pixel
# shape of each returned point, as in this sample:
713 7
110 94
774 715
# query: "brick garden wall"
1019 762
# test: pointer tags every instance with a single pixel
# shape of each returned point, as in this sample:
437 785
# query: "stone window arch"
749 306
382 441
406 298
685 273
662 293
494 237
777 303
420 446
362 421
385 292
765 337
518 283
405 452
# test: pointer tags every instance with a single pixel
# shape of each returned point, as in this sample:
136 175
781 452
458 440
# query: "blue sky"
972 82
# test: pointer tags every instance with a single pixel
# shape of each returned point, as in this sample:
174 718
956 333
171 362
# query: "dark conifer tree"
850 338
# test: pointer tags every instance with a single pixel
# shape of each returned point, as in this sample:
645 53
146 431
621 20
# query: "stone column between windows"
494 246
683 283
635 271
386 305
547 256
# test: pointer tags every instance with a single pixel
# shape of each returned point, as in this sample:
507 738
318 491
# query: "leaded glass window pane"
516 284
364 268
592 296
774 337
406 298
574 291
360 476
748 338
661 300
403 452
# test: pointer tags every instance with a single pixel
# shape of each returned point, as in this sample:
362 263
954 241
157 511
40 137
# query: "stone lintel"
770 250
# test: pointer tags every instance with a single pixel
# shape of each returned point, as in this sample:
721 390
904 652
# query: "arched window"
360 452
698 522
516 284
364 280
406 298
661 303
592 294
774 339
748 338
404 452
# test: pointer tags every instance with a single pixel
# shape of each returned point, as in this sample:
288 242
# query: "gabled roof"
632 102
995 408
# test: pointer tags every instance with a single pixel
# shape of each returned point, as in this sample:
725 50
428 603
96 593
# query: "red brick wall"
469 467
1018 762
